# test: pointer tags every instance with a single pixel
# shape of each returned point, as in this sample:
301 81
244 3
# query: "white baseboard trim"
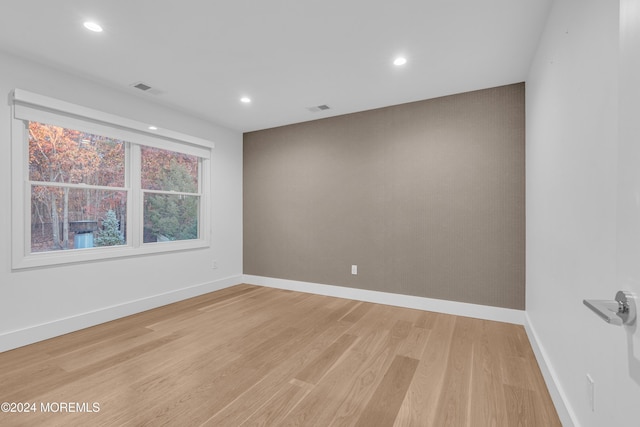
420 303
565 411
32 334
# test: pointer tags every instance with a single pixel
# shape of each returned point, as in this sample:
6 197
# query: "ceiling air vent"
142 86
146 88
318 108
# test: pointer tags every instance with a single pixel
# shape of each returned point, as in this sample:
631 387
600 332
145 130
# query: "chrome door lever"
621 311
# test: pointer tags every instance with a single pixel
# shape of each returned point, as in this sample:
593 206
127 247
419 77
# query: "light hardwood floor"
249 355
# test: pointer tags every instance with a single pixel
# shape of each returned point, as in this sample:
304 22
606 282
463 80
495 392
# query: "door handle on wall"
621 311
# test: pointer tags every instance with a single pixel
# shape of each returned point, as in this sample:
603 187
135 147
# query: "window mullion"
75 186
172 193
204 182
134 170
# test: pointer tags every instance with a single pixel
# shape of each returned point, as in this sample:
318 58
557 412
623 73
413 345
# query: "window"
76 181
170 193
88 185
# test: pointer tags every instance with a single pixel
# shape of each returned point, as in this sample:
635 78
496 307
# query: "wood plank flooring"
248 355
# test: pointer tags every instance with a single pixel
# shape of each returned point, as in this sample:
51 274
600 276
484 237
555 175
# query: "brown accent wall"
427 198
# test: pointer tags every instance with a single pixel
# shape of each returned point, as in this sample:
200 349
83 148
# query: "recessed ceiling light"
152 128
245 100
92 26
400 61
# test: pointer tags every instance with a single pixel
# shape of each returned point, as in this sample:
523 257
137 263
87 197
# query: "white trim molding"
43 331
498 314
36 107
565 412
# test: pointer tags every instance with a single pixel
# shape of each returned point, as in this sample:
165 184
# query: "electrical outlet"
214 265
591 385
354 270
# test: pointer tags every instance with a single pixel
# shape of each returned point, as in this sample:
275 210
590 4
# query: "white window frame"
27 106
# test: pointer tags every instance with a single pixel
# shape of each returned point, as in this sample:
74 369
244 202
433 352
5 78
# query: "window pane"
58 154
72 218
169 171
169 217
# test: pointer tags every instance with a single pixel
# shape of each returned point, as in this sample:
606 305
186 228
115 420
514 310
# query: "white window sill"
71 256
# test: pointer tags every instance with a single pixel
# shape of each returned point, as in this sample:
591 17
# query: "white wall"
36 304
572 184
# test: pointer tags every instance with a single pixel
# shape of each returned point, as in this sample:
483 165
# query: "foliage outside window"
88 185
70 174
170 187
111 234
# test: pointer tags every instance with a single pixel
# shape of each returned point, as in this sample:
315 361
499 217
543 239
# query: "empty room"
338 213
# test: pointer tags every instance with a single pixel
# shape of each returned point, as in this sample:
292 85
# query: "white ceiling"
286 55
